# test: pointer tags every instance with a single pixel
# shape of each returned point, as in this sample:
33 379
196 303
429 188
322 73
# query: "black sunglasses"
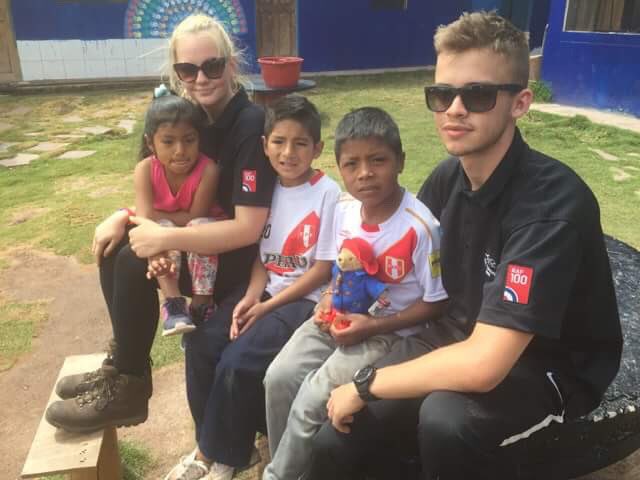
476 97
212 68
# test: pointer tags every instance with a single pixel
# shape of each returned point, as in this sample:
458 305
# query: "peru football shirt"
298 231
407 247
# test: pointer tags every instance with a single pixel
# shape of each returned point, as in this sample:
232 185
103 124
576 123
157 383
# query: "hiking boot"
74 385
115 400
176 318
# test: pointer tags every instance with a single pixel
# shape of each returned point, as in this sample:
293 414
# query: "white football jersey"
299 231
407 248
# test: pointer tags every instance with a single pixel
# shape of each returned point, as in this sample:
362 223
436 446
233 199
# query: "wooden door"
276 32
9 64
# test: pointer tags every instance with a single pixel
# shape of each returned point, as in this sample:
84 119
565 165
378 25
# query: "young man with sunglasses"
532 334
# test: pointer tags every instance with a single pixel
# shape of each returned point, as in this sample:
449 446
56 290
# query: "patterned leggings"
203 268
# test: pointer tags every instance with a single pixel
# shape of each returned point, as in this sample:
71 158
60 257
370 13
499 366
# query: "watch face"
363 374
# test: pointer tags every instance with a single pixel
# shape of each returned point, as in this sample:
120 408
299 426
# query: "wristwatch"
362 379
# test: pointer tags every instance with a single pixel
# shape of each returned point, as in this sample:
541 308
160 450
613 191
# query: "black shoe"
116 399
74 385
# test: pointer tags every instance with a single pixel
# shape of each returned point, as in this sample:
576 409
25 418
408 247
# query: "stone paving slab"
597 116
102 114
6 145
96 130
20 159
619 175
127 125
34 134
76 154
72 119
21 110
70 136
48 147
605 155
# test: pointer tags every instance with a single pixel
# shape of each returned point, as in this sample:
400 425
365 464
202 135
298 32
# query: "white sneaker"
179 472
220 471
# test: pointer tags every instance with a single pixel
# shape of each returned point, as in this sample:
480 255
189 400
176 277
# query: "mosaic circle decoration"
158 18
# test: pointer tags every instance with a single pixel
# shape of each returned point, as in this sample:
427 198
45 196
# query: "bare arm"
365 326
144 189
477 364
258 281
211 238
207 191
313 278
108 233
316 276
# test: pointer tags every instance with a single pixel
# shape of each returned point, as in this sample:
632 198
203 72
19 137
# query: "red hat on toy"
363 252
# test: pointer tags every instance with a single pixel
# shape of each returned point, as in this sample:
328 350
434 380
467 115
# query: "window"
388 4
621 16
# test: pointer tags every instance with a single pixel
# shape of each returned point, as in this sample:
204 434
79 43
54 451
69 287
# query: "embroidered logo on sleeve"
517 285
434 264
249 181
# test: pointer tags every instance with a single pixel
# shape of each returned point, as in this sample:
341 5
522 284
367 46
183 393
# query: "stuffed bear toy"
354 287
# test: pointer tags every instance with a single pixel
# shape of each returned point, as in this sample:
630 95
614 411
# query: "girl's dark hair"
169 109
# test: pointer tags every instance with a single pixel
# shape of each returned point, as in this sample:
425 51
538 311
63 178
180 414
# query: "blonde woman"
205 67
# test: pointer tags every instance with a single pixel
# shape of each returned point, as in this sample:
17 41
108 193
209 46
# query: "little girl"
176 185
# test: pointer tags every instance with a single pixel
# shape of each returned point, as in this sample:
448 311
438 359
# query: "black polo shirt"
234 140
526 252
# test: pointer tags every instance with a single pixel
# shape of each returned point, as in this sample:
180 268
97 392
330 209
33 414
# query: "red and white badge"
517 285
249 181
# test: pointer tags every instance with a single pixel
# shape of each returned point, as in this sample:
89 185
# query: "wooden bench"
81 456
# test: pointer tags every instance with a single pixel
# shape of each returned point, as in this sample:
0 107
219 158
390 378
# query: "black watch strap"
362 379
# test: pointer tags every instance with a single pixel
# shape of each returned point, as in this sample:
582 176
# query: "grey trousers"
297 387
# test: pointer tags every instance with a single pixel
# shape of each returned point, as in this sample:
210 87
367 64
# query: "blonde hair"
480 30
200 23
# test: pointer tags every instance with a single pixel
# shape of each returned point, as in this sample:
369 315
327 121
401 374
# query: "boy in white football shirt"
295 258
405 240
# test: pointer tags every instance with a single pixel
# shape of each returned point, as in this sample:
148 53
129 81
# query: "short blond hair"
487 30
200 23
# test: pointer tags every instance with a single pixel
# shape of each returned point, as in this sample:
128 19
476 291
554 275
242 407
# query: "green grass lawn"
55 204
64 199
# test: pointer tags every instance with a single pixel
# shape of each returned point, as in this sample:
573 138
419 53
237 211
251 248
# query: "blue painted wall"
600 70
348 34
53 20
332 34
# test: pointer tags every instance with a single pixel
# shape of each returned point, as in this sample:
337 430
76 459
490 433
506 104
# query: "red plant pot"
280 72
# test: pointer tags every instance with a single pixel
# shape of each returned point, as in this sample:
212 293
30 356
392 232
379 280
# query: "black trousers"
224 378
132 301
457 435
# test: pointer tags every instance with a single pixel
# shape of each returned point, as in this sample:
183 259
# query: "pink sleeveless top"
164 200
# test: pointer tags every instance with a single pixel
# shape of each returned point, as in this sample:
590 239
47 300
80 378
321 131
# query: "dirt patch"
27 214
77 324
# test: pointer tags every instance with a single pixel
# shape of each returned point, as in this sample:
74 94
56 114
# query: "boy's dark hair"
367 122
294 107
169 109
